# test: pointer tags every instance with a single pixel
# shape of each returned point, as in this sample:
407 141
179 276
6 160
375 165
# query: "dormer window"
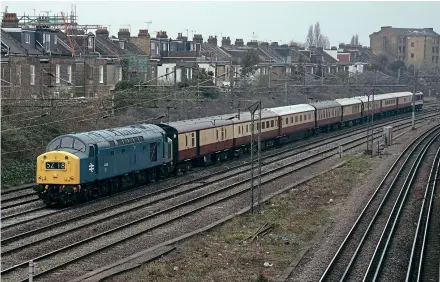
121 44
46 41
90 42
27 38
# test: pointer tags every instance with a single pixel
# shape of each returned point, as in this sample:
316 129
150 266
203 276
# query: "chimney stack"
143 33
239 42
197 38
10 20
212 40
252 43
124 33
226 42
102 32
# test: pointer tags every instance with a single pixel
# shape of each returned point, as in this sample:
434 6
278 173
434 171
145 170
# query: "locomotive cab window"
67 142
78 145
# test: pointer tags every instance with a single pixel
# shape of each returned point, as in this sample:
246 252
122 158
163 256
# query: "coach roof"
348 101
325 104
287 110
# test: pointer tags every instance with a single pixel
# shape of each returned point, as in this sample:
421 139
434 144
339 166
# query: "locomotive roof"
113 134
293 109
325 104
348 101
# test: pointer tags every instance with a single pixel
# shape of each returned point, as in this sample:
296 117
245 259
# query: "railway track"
125 225
9 220
424 264
303 144
368 240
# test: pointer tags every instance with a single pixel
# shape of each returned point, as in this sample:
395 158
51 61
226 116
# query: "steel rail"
376 262
420 236
354 227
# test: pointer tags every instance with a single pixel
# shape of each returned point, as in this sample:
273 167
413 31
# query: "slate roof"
212 51
414 31
14 46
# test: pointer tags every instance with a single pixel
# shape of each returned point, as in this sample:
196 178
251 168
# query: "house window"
27 38
57 74
69 74
32 71
119 73
101 74
19 74
90 42
412 55
412 44
121 44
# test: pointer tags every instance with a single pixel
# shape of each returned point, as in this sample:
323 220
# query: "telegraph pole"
255 111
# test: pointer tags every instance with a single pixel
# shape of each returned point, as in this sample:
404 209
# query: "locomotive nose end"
58 167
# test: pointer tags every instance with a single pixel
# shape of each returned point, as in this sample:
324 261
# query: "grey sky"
271 21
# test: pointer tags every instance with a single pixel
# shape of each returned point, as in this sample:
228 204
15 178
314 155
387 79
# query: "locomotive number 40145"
55 165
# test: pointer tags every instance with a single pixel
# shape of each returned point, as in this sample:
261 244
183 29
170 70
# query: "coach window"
216 134
310 116
267 124
223 133
272 123
186 140
300 118
193 140
247 128
296 118
263 125
239 130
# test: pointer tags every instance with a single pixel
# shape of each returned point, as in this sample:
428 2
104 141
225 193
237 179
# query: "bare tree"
317 34
316 38
324 43
310 39
355 40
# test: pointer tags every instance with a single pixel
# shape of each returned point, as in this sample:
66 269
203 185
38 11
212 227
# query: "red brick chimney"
10 20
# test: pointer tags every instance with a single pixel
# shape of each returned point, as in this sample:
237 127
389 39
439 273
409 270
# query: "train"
83 166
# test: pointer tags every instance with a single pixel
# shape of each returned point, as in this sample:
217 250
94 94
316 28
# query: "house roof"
13 45
414 32
211 51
